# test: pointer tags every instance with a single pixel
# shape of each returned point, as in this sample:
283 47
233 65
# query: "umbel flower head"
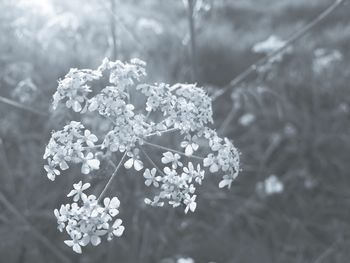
181 108
86 221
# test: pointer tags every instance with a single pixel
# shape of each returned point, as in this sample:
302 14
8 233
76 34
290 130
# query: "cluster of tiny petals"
184 108
70 145
225 157
125 135
124 74
86 221
177 183
73 88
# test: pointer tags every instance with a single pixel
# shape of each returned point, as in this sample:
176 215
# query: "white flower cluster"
176 186
183 108
69 145
73 88
225 157
86 221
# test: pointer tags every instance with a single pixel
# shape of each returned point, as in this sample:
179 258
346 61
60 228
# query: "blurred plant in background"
289 118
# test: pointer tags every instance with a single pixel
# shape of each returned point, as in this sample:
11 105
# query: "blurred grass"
301 134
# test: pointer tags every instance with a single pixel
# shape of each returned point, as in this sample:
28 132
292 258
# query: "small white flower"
210 161
186 260
226 181
74 243
89 201
92 237
193 174
215 143
51 170
75 104
271 185
190 204
116 230
154 202
134 161
62 216
151 178
190 145
90 163
77 192
111 206
169 157
129 111
90 138
247 119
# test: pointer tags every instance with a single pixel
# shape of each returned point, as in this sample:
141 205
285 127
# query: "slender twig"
151 161
112 177
162 132
113 30
291 40
331 249
132 35
227 120
172 150
144 240
93 147
6 168
40 237
191 26
112 163
148 114
21 106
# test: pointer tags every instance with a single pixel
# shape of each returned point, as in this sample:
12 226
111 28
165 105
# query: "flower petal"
188 150
119 231
94 164
77 248
128 164
95 240
115 202
138 165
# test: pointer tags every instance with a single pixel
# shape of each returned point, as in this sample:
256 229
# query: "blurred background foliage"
290 122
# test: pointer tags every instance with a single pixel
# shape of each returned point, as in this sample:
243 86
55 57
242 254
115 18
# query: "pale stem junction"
112 177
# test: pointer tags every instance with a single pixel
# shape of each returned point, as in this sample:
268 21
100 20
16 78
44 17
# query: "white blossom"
169 157
151 178
89 163
77 192
134 160
190 204
86 221
190 145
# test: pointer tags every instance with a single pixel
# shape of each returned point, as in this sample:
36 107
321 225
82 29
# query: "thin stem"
93 147
21 106
162 132
227 120
110 119
172 150
112 177
191 25
151 161
148 114
121 24
40 237
113 30
331 249
293 38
